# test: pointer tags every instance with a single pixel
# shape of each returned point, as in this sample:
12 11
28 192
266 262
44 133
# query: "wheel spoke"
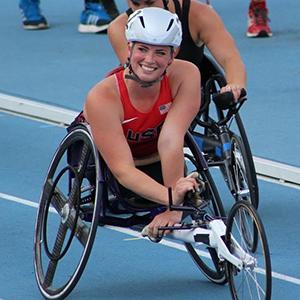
61 234
68 215
253 281
83 161
252 274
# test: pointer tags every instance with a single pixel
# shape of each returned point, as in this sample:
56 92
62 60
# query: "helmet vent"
170 24
154 26
142 21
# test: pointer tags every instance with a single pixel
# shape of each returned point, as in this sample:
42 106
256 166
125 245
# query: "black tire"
205 258
243 181
213 113
251 172
242 173
254 280
63 240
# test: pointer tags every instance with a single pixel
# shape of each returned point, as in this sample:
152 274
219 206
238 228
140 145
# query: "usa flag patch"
163 109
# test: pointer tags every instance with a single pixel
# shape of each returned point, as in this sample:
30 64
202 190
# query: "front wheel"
254 280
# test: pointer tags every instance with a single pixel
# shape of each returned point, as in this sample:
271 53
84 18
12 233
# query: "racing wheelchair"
80 193
219 132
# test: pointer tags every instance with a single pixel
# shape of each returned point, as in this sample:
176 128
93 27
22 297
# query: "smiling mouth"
148 68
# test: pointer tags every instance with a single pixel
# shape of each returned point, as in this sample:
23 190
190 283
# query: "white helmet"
154 26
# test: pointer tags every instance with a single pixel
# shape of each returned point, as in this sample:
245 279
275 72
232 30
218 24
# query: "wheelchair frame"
81 204
223 146
79 192
76 189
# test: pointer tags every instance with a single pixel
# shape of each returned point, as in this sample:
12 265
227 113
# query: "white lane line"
36 110
19 200
137 235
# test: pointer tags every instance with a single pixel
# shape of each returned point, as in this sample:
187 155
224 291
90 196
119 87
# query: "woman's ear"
173 55
171 60
176 50
129 46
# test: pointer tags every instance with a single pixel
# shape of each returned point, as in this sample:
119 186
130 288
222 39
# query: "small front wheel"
254 280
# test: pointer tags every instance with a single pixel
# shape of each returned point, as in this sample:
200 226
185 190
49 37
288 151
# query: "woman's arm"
104 113
186 104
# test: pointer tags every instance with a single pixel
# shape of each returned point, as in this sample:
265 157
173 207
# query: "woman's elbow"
169 144
122 174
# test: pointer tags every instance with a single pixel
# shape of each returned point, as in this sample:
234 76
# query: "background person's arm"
116 35
220 43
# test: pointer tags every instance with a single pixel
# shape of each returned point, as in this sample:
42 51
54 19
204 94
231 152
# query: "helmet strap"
133 76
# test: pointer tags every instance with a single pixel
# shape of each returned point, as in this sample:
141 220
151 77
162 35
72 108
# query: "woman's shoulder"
182 67
103 98
180 72
103 90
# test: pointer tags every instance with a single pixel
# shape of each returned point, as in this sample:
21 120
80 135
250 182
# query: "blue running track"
58 67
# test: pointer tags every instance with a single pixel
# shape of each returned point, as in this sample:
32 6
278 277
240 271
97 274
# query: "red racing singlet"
142 129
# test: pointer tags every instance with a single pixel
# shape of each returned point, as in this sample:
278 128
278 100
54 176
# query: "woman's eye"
142 49
161 53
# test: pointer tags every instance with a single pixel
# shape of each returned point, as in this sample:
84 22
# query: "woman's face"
149 62
144 3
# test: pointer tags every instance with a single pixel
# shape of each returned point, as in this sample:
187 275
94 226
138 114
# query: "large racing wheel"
64 235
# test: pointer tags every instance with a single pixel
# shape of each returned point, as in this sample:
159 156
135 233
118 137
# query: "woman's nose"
149 57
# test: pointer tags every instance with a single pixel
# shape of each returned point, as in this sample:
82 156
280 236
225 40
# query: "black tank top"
188 49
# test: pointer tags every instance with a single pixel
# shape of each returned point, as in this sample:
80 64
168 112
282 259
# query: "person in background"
258 19
202 28
95 17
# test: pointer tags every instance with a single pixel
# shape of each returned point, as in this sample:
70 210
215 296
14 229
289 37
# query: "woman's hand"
170 218
184 185
167 218
234 88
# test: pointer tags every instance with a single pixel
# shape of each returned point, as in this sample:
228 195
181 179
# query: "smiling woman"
144 111
150 63
159 37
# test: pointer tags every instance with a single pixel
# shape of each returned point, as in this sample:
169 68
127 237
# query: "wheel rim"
69 245
240 174
253 281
